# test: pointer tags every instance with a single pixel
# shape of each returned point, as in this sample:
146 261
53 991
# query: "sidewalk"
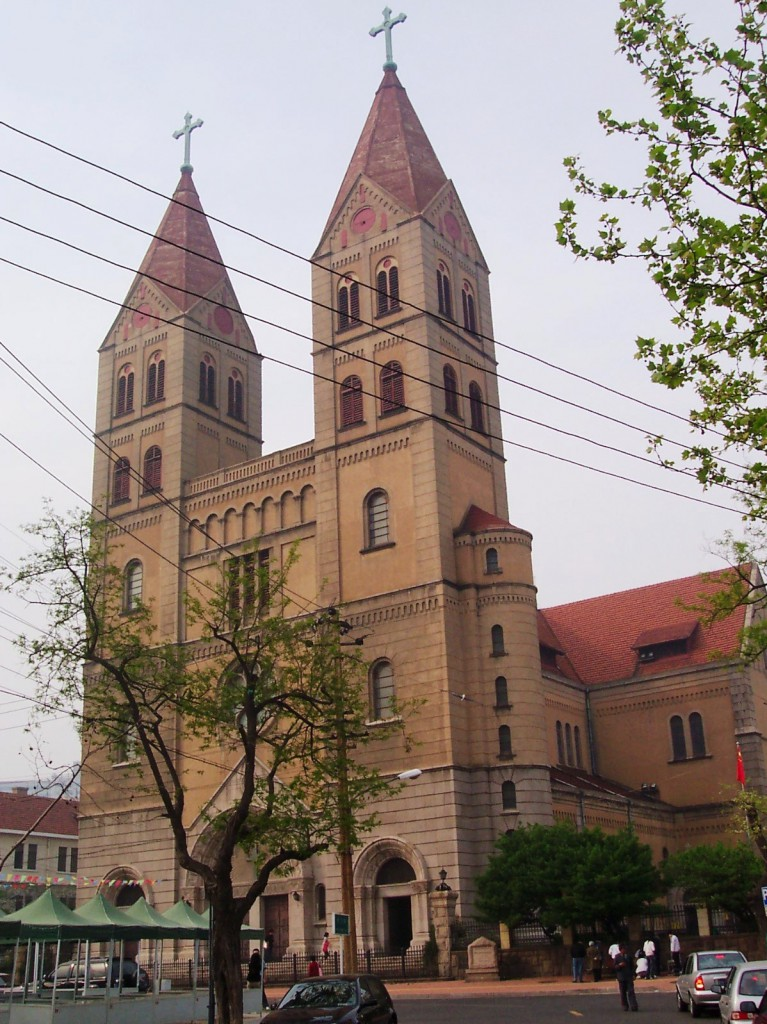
518 987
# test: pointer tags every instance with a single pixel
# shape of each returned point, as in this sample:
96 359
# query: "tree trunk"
226 966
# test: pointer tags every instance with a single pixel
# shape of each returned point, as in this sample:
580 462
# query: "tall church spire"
183 259
394 152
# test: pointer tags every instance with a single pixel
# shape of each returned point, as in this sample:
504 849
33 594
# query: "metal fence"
464 931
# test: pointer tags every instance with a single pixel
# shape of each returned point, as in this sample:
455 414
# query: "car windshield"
710 961
326 994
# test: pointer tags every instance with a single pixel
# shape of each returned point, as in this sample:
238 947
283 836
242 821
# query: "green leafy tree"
558 876
719 877
287 698
699 228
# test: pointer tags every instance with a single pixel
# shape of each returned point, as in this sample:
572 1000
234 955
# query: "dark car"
339 998
72 973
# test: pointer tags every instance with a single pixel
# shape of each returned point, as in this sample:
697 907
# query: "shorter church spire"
386 27
186 131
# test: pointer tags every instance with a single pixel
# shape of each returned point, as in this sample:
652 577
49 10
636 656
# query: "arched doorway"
398 911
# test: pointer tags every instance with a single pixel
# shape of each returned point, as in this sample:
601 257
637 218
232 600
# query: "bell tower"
179 393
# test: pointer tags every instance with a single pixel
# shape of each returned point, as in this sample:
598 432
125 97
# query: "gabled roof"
600 636
20 811
477 520
577 778
394 151
183 259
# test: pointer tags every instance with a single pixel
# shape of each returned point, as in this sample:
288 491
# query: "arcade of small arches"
291 509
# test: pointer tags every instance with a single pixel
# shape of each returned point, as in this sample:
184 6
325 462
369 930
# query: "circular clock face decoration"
363 220
452 226
142 315
223 320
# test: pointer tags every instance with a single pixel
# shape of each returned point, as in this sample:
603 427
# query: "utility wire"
447 323
557 430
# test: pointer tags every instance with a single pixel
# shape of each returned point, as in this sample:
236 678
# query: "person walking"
624 973
578 956
326 945
313 969
675 948
594 960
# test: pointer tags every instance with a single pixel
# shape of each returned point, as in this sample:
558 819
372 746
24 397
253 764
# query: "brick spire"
394 151
183 258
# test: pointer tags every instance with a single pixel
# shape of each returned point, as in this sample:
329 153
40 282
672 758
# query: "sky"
505 89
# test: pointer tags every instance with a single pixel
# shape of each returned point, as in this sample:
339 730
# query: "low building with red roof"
647 700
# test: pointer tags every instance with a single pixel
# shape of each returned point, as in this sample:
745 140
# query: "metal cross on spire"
186 131
386 27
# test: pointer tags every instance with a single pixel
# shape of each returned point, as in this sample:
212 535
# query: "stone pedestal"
483 961
442 914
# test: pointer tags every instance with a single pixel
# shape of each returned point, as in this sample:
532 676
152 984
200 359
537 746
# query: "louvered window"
392 387
121 481
133 585
387 287
444 296
382 690
351 401
152 469
235 396
207 393
155 379
476 407
125 384
450 384
348 304
377 519
469 313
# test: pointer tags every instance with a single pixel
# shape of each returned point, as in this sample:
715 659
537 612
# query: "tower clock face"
363 220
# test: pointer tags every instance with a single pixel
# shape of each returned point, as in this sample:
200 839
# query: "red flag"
741 769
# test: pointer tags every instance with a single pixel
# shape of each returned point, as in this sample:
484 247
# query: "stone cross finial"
386 27
186 131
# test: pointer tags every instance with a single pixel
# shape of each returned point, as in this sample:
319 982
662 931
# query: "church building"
618 710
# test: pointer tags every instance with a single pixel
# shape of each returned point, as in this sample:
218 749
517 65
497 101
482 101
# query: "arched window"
509 796
578 754
207 380
133 585
444 296
678 742
387 287
121 480
125 382
501 692
496 639
382 690
351 401
320 902
235 396
469 311
560 745
476 408
152 469
450 384
569 743
377 509
155 378
697 737
392 387
395 871
348 303
491 560
504 741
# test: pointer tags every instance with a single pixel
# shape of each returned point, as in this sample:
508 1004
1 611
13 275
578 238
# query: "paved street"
556 1007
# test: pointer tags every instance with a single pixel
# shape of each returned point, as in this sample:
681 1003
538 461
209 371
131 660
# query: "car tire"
681 1005
695 1010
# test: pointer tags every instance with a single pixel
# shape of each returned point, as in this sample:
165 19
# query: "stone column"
442 913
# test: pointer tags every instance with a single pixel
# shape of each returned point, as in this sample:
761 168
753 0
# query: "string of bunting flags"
30 878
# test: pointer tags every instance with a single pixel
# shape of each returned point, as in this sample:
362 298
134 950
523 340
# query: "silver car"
742 990
702 971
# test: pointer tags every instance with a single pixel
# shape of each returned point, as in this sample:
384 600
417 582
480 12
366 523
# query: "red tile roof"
476 520
20 811
599 635
394 151
183 258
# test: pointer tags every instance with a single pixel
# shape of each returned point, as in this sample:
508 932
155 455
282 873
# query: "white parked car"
694 986
742 990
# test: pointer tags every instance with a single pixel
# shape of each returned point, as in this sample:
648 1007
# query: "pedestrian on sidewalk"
624 972
675 948
594 960
578 956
